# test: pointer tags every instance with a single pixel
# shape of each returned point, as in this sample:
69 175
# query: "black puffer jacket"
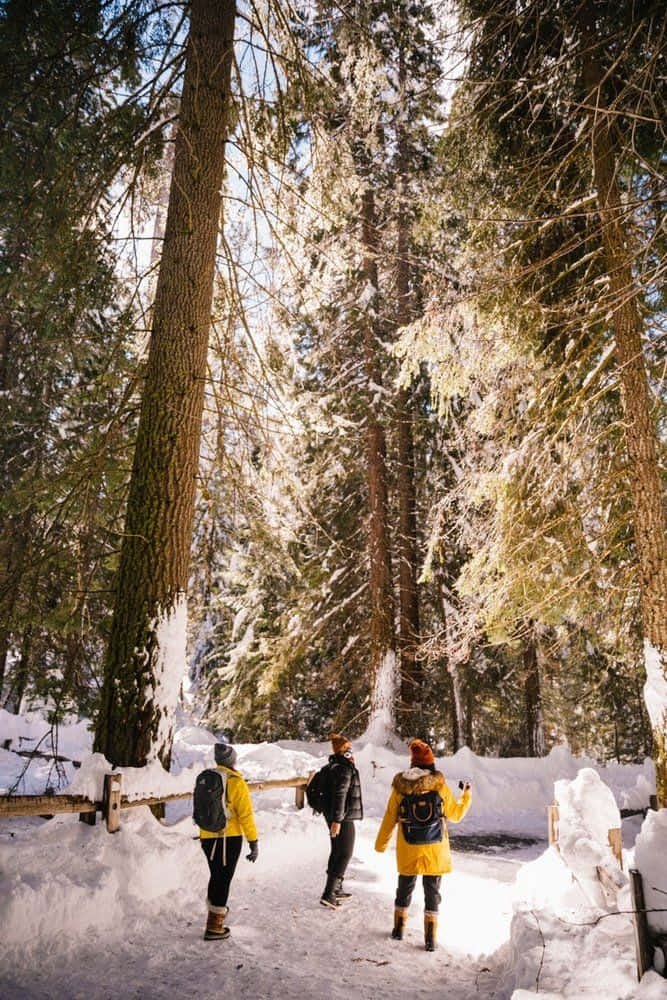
344 799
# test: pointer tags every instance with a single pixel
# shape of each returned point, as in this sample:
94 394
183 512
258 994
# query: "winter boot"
215 927
340 893
430 930
329 897
400 920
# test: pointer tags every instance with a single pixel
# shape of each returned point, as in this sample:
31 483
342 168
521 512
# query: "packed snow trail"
85 914
283 943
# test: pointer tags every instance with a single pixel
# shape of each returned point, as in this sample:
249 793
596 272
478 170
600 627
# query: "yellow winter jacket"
240 817
421 859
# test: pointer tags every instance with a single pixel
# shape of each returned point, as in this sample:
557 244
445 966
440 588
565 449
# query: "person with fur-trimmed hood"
343 808
419 802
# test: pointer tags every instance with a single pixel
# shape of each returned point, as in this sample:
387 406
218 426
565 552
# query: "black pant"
342 847
406 886
222 854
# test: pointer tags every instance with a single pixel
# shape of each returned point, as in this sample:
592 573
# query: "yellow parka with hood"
421 859
240 817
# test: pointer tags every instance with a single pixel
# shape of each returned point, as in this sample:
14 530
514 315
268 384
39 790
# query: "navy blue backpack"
421 818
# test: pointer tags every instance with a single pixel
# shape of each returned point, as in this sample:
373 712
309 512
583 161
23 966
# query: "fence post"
299 796
553 817
642 940
615 838
111 801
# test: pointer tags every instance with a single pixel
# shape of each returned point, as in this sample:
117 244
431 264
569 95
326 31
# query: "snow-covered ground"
87 914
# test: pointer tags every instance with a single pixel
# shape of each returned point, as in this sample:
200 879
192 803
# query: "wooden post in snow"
553 817
615 838
299 796
642 940
111 801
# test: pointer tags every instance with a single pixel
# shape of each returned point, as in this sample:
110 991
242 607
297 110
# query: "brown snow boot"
400 919
430 930
215 927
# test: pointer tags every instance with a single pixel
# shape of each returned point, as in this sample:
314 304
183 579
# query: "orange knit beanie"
339 743
420 753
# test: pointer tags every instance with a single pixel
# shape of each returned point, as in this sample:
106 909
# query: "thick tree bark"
146 653
382 598
640 433
535 743
408 630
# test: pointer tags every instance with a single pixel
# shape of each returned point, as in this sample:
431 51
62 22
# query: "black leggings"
216 849
406 886
341 849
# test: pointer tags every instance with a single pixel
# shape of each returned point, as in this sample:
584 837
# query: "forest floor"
284 944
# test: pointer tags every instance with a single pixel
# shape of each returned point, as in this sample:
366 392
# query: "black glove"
254 851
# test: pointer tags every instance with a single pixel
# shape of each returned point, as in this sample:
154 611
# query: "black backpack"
421 818
318 791
208 803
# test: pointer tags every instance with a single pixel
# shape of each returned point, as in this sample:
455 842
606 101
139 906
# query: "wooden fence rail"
48 805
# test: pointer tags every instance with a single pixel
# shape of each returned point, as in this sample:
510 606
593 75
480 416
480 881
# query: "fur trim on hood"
416 781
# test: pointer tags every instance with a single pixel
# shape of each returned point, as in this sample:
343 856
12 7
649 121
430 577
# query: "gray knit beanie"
225 754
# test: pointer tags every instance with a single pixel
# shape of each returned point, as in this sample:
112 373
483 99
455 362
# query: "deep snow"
87 914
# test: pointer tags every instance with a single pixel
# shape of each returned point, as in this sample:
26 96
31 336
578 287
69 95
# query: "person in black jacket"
343 807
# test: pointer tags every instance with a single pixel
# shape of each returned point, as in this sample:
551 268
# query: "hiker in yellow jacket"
419 802
223 849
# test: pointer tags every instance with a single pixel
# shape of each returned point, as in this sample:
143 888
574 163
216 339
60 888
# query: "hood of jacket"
417 781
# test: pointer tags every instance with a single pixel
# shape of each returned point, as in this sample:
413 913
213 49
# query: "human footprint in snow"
419 802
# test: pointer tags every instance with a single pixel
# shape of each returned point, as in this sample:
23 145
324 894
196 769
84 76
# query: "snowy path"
283 943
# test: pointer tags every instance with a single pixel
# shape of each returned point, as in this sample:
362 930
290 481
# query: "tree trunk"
640 433
470 740
146 653
458 713
20 682
382 598
408 625
535 743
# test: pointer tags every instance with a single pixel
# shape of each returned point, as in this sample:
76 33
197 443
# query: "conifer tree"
65 330
146 654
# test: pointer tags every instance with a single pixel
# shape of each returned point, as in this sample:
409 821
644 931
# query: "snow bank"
510 795
45 895
651 860
138 782
557 947
565 941
32 731
587 811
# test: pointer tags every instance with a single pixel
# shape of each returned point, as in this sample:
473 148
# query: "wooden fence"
113 800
